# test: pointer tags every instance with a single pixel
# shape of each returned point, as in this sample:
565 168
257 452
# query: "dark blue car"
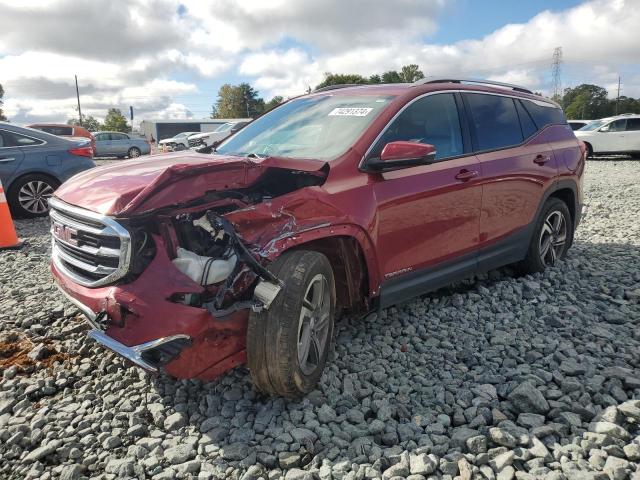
33 164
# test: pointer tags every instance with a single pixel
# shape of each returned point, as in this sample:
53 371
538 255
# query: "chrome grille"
196 142
91 249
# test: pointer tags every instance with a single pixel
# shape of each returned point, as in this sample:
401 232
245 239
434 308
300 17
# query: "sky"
168 58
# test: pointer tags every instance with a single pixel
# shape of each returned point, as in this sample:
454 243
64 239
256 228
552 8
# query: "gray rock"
422 464
527 398
179 454
175 421
502 437
72 472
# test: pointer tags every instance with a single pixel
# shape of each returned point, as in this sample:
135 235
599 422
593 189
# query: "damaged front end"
182 277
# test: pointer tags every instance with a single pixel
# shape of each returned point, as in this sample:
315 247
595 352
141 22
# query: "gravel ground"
533 377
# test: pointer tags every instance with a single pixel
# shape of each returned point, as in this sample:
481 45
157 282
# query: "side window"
433 120
633 124
11 139
100 137
118 136
526 122
494 120
544 115
617 126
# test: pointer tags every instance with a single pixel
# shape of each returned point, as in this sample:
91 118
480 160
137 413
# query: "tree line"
590 102
114 121
243 101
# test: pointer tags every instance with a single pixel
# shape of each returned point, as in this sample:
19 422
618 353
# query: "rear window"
544 115
494 120
59 131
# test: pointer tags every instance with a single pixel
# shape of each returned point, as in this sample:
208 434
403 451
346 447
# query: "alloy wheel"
34 196
553 237
313 326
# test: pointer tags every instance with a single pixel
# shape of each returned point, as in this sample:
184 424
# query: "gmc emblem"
64 233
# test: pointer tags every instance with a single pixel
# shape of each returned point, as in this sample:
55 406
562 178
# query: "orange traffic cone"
8 237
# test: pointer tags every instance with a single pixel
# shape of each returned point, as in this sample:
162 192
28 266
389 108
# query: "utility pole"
556 81
618 97
78 96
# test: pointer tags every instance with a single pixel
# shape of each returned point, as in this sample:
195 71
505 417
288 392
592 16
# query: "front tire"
29 196
552 237
288 345
134 152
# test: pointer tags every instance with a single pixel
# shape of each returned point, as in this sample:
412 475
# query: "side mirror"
606 128
402 154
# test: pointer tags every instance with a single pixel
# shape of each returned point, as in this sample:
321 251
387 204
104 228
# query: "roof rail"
336 87
516 88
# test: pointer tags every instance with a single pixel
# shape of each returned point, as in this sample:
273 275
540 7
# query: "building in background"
161 129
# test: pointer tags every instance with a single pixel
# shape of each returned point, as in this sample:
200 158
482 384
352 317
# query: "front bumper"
138 321
134 354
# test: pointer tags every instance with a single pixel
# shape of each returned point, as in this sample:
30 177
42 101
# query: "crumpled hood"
150 182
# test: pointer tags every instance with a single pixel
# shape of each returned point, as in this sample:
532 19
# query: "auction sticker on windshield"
350 112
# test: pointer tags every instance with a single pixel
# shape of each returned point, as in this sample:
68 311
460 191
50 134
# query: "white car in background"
619 134
178 142
209 138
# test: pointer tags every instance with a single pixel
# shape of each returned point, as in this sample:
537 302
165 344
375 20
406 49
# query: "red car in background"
63 130
349 199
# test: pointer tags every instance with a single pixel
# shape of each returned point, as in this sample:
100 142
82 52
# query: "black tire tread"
16 185
531 263
271 334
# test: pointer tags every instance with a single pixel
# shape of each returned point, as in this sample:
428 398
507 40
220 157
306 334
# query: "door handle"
541 159
465 175
7 159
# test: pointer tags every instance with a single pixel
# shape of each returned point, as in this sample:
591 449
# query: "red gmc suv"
350 199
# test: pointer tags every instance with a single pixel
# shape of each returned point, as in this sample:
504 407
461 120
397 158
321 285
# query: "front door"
427 215
612 137
103 144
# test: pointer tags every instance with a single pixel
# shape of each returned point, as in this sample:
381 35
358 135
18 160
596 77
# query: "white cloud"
152 53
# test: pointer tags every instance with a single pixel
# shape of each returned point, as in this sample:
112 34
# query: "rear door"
120 143
518 165
632 139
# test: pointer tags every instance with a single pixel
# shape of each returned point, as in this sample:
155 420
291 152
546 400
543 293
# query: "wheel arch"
352 258
25 173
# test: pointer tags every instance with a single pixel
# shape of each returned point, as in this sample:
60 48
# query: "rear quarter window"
544 115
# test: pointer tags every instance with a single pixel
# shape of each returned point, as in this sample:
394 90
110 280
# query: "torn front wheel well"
349 268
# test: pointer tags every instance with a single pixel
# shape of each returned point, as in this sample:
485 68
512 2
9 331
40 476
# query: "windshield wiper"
255 155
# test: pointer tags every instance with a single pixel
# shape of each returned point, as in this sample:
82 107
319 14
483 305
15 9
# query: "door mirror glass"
606 128
402 154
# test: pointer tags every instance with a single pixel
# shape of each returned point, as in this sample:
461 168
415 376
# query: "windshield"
321 127
224 127
593 125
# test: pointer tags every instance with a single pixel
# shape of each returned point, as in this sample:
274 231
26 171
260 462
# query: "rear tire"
552 237
29 196
134 152
288 345
589 150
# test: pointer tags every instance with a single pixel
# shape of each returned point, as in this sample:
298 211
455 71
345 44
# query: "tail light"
86 151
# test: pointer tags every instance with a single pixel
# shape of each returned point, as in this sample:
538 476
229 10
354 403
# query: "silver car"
117 144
